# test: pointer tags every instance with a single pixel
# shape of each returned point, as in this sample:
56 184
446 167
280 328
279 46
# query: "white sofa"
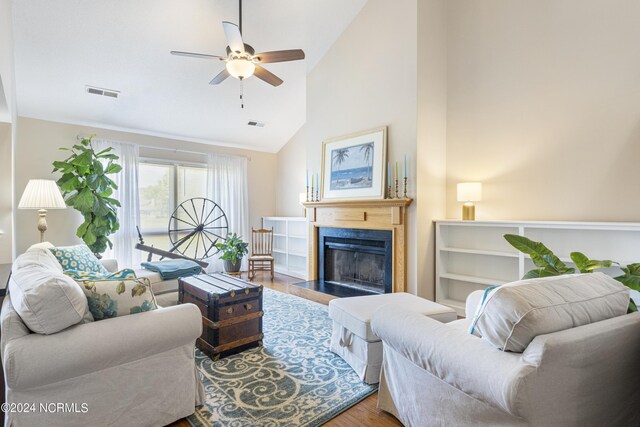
130 370
436 374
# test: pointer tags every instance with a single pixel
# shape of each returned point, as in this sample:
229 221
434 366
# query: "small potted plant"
232 251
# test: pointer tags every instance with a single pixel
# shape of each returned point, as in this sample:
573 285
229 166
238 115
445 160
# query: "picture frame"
353 166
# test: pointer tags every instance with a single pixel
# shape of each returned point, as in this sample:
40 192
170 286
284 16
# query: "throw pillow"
46 300
515 313
81 275
113 298
78 258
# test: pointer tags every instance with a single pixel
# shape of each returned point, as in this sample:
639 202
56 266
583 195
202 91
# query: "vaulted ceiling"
63 45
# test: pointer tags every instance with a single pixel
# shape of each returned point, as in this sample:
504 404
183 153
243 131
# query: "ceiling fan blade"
279 56
194 55
234 38
267 76
220 77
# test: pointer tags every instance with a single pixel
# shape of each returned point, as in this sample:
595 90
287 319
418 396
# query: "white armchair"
439 374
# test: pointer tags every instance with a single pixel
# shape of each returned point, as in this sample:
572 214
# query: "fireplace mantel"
386 214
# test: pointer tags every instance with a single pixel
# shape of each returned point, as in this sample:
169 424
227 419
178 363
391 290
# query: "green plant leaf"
547 262
68 182
631 276
632 307
84 200
82 229
586 265
113 168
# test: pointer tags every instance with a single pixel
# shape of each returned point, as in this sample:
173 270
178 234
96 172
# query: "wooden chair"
261 258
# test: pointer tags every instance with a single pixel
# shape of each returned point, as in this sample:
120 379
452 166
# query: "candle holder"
405 187
317 195
397 192
389 196
307 194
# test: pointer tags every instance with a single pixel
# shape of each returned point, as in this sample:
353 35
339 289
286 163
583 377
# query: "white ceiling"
63 45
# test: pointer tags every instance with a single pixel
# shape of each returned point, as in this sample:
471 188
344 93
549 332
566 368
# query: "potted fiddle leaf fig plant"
548 264
86 186
232 251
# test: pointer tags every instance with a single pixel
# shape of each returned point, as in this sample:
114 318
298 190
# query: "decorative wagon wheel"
197 224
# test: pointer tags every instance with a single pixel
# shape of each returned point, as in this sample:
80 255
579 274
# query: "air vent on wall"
256 124
102 91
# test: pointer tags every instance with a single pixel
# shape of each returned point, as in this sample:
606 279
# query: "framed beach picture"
353 166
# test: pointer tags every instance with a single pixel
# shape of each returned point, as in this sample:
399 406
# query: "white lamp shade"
42 194
240 68
469 192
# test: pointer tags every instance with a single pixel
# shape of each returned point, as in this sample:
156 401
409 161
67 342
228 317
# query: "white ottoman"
352 338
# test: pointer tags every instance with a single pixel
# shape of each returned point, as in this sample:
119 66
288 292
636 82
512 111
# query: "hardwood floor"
364 413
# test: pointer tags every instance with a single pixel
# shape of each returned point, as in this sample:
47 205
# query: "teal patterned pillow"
113 298
79 275
78 258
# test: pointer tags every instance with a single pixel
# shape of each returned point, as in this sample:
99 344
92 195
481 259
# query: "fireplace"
359 259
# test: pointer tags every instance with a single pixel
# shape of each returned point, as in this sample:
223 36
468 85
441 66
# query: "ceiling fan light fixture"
240 68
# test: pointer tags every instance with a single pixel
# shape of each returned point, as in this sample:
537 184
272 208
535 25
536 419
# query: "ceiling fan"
241 61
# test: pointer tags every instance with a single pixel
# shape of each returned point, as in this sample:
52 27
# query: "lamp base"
42 223
468 211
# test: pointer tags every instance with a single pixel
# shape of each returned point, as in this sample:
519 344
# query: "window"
162 188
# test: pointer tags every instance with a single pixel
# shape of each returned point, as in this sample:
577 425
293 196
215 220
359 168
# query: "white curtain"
125 239
227 186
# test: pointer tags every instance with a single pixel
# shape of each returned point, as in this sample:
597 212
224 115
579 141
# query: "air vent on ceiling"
256 124
103 92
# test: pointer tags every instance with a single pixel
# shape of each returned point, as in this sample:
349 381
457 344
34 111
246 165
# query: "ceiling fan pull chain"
241 94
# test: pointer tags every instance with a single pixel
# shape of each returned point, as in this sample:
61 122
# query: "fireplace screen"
355 268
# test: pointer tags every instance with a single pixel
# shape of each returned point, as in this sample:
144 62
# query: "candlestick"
389 196
405 187
307 193
317 195
397 192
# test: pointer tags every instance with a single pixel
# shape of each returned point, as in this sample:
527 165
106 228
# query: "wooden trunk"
231 312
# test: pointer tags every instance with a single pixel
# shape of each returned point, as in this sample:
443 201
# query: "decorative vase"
231 267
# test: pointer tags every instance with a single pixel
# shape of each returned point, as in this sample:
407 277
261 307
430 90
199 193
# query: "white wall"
367 79
37 147
544 108
6 204
431 134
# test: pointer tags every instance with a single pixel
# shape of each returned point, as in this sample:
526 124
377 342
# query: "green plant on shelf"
548 264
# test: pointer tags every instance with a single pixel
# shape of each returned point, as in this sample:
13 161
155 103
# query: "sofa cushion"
514 314
46 299
38 254
113 298
78 258
355 313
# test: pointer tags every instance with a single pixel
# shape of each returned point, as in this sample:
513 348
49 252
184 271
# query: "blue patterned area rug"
293 380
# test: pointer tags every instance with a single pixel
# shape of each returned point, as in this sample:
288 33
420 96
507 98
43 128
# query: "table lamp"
469 192
42 194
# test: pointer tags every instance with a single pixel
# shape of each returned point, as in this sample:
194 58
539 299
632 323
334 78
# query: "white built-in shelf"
473 279
291 253
470 253
480 252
